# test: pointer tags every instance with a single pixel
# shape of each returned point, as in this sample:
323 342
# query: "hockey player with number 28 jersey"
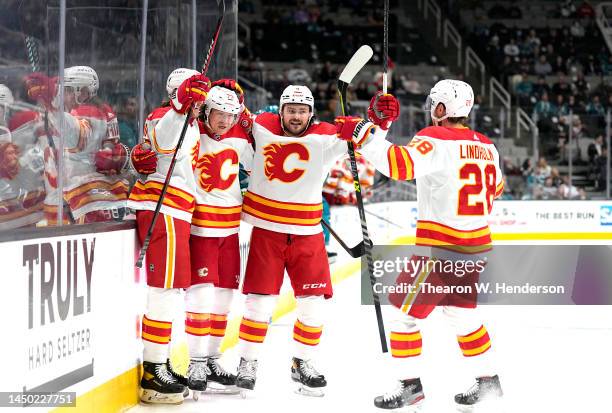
458 177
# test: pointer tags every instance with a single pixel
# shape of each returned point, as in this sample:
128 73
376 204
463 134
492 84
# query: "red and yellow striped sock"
197 324
308 335
405 345
157 332
253 331
218 324
475 343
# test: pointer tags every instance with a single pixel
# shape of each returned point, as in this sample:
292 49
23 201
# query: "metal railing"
603 24
497 90
430 6
450 32
524 121
472 60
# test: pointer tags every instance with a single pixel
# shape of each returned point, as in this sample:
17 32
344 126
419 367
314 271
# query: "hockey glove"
231 84
111 159
144 159
40 88
192 90
384 109
351 128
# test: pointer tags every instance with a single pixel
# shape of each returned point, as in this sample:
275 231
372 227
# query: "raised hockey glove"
351 128
231 84
40 88
112 158
384 109
144 159
192 90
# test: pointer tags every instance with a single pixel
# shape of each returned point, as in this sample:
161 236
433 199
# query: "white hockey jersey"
458 177
286 183
86 128
163 130
22 196
218 196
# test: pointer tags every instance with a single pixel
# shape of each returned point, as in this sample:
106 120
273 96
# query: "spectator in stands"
542 171
570 192
524 89
327 73
567 9
560 65
562 86
601 168
585 10
542 67
544 109
541 87
577 30
596 149
511 49
298 76
561 106
555 175
362 91
127 119
595 108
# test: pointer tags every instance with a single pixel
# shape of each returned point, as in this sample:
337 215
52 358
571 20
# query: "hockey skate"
220 381
310 380
247 372
179 377
407 395
197 375
158 386
484 395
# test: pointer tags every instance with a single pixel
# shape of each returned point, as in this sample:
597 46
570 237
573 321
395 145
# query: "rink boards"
73 303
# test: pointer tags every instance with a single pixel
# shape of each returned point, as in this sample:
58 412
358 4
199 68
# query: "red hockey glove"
193 90
383 110
246 120
40 88
231 84
111 159
144 159
351 128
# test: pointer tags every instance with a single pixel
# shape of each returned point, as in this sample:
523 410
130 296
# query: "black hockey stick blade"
355 252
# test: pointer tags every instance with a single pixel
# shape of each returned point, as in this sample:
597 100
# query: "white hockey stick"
357 62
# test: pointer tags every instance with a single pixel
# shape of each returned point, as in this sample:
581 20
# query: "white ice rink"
551 359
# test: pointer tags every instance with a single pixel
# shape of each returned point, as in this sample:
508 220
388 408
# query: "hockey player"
283 202
168 256
216 219
458 177
22 191
215 258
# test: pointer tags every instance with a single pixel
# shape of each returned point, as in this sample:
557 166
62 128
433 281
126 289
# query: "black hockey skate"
159 386
247 374
179 377
311 381
485 390
408 393
197 376
220 381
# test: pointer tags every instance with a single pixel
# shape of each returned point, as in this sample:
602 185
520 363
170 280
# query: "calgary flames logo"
276 155
211 166
194 155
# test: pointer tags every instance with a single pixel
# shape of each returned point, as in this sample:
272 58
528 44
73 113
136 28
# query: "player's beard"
295 129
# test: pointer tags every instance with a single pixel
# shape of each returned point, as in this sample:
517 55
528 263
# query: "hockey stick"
207 60
355 252
33 59
359 59
385 46
383 219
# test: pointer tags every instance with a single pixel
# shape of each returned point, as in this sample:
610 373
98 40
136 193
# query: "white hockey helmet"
297 94
82 76
222 99
6 96
456 96
177 77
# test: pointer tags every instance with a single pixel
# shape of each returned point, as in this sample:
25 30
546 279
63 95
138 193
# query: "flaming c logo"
276 154
211 166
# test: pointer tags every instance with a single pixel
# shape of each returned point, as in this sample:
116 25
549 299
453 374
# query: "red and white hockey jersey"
163 129
458 177
86 128
22 196
286 183
218 196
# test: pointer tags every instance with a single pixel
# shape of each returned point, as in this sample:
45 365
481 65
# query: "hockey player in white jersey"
22 191
294 153
168 257
458 177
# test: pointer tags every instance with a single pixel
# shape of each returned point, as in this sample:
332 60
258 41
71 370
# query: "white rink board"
93 336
